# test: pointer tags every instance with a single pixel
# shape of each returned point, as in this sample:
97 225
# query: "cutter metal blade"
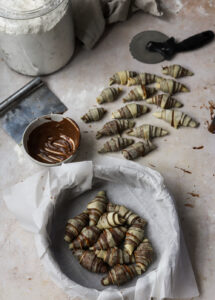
138 46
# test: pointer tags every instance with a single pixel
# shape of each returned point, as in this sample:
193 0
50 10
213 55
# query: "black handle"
166 49
195 41
29 87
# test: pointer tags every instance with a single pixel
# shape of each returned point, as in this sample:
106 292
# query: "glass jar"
36 41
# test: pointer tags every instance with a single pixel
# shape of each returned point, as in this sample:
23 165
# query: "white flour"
201 10
173 6
211 3
39 45
22 5
34 25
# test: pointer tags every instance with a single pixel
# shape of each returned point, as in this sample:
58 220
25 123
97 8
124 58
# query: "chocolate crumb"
152 165
189 205
197 148
184 170
85 131
211 127
29 278
90 126
211 108
193 194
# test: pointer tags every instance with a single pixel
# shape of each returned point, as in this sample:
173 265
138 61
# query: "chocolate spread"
53 142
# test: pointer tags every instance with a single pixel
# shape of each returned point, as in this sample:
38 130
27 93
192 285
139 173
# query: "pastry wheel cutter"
152 47
28 103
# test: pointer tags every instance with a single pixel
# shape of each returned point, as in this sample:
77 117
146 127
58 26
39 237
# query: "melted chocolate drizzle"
53 142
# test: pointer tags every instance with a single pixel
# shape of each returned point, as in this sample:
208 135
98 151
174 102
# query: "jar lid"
27 9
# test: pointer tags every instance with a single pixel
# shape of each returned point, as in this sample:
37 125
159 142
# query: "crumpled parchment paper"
44 202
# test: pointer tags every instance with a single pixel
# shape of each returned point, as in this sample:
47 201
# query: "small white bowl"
37 122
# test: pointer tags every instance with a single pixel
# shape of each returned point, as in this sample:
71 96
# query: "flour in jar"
18 25
36 36
22 5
